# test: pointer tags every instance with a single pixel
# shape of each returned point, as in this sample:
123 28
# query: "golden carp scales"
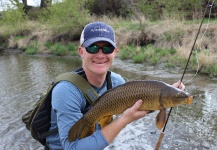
156 95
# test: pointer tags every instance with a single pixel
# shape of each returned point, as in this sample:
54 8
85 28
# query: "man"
97 51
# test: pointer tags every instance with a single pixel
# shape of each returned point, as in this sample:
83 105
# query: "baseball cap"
95 32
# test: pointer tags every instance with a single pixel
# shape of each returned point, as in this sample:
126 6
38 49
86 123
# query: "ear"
115 51
80 51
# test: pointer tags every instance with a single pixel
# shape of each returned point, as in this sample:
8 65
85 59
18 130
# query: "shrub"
59 49
138 58
72 48
154 60
210 69
32 48
67 16
13 17
170 65
127 51
48 44
120 8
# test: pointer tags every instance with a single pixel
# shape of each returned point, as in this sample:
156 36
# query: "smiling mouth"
99 62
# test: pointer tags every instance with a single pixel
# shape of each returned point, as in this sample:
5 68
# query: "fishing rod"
162 133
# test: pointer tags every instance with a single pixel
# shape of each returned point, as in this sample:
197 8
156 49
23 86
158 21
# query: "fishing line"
200 41
173 128
198 65
194 44
162 133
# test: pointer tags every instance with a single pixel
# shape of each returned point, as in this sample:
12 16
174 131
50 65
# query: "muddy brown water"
23 78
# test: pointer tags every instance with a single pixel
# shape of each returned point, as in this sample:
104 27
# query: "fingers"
133 113
137 105
136 113
179 85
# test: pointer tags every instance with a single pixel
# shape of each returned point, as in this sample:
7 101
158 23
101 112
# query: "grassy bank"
166 41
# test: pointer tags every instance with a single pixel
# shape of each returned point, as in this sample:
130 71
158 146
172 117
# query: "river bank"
127 65
166 42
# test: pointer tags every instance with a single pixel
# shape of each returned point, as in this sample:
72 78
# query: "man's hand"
179 85
131 114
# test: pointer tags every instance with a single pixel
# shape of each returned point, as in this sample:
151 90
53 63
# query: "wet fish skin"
156 95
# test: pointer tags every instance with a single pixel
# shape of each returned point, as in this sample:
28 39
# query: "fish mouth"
189 100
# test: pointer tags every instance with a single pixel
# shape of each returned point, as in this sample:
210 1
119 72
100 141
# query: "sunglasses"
107 49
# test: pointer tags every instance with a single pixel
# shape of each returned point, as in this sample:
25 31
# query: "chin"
101 71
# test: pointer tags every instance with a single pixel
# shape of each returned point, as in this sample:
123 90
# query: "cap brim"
97 39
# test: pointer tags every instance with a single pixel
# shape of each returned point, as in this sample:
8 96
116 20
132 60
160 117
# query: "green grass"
211 70
19 37
62 50
48 44
170 65
198 21
72 49
127 52
154 60
138 58
127 26
59 49
173 35
148 54
165 52
32 48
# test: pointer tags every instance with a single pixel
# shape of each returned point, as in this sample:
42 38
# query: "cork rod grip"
159 141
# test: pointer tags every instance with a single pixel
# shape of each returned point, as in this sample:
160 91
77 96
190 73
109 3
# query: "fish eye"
178 94
182 94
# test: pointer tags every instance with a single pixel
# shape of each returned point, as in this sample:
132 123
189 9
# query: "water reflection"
23 78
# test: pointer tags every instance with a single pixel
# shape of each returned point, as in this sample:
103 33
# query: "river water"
190 127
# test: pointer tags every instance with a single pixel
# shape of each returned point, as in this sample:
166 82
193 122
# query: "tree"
26 7
45 3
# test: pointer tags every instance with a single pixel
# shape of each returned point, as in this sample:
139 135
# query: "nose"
100 51
100 54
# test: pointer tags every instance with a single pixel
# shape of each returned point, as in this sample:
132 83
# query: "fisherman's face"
98 63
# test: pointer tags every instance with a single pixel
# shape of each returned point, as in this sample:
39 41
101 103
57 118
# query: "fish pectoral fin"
105 120
80 129
161 118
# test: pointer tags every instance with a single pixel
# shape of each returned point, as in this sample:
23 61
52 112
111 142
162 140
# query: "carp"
156 95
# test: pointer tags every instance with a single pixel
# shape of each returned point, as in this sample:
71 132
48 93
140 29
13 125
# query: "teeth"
100 63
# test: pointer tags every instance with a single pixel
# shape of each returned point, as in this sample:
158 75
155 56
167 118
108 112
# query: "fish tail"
80 129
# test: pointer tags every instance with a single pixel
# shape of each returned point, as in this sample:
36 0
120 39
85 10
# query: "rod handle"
159 141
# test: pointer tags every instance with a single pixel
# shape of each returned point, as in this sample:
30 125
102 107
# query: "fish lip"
189 100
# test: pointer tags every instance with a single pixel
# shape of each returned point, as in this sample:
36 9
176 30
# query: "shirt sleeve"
68 103
116 79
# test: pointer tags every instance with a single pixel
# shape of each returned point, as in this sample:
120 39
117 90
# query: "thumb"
137 104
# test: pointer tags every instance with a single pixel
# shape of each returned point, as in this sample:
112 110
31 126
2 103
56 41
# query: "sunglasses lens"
108 49
93 49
